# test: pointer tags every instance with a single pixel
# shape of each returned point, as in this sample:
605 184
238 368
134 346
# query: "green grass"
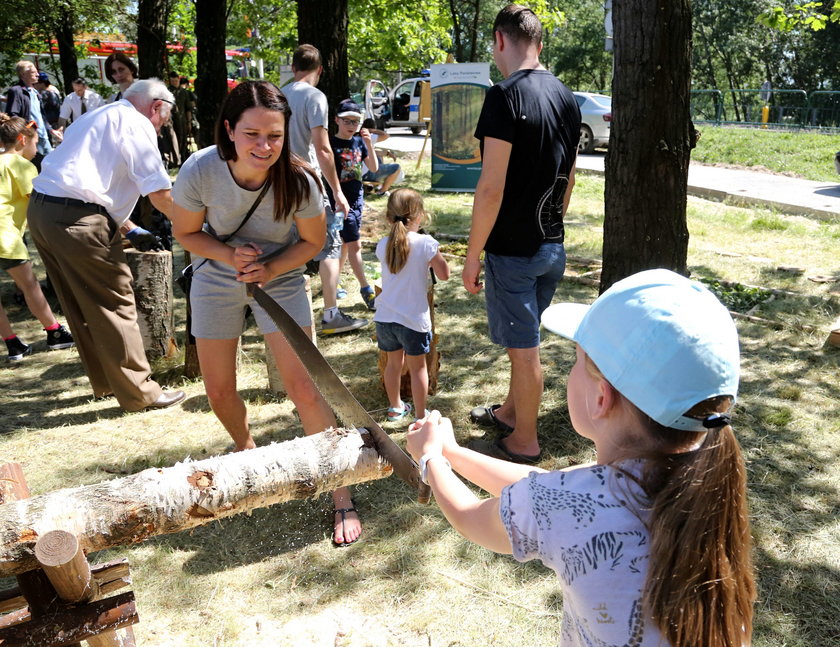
802 154
272 578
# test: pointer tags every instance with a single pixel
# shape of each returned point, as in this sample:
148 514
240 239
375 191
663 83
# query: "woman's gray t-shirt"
205 182
217 299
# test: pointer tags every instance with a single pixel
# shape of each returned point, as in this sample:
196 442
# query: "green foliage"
808 15
574 48
735 296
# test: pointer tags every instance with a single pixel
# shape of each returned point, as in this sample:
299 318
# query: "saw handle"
424 493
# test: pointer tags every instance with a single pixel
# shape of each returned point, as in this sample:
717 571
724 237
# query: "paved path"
791 195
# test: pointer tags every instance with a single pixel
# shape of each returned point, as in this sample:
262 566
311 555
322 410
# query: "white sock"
330 313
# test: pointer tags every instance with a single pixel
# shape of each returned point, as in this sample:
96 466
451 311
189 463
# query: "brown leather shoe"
167 399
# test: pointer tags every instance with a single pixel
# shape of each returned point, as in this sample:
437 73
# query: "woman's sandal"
395 413
343 512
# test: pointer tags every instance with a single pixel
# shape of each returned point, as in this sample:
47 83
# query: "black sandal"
343 512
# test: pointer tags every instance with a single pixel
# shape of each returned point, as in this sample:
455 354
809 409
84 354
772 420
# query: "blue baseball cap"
664 342
349 108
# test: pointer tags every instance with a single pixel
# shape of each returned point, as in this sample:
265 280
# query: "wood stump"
432 357
152 273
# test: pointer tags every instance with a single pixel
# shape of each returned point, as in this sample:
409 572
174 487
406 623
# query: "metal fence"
772 108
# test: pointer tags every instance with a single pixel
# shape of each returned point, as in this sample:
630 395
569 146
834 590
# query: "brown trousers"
82 252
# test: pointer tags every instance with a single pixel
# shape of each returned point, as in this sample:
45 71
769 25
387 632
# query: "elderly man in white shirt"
81 100
81 203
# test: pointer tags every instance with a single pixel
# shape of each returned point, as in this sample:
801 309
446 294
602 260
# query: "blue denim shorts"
352 227
518 289
393 336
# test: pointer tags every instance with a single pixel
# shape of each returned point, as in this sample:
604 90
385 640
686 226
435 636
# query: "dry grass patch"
273 578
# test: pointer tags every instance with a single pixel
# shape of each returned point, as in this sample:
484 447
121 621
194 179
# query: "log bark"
152 272
189 494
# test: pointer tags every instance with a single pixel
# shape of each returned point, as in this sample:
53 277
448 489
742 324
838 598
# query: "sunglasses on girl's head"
32 124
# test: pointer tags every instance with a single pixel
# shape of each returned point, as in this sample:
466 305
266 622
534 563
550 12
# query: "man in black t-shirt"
529 129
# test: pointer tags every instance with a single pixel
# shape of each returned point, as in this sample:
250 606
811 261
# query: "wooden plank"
69 625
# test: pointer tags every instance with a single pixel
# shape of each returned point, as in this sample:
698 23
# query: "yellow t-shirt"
16 175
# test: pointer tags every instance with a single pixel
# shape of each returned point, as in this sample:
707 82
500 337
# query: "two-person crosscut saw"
346 407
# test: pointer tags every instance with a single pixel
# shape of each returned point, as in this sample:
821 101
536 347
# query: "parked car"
596 115
402 106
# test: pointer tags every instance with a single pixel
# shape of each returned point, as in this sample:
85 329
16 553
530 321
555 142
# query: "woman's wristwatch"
424 465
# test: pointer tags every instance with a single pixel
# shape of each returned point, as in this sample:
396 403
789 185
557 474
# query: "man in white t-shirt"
309 138
80 204
81 100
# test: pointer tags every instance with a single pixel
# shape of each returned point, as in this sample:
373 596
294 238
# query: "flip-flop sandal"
524 459
395 413
343 512
486 417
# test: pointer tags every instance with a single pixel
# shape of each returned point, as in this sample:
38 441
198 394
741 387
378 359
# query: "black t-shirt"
539 116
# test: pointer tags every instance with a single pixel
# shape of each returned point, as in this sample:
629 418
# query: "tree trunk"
211 81
323 23
161 501
67 51
152 272
152 16
651 140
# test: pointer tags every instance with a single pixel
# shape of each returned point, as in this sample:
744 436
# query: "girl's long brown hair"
288 173
404 207
700 586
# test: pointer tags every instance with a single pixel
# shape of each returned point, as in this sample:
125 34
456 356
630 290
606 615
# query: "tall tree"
651 140
65 31
152 16
211 81
323 23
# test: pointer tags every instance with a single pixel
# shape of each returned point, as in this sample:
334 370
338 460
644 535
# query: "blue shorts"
518 289
382 172
352 226
393 336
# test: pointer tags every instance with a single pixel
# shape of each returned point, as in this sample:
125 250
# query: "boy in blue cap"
349 149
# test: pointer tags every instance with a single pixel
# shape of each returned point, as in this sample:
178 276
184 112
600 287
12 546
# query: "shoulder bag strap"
248 215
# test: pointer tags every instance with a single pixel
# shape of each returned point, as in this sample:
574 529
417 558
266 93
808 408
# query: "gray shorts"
332 243
218 301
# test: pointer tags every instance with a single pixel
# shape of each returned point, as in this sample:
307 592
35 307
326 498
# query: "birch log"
189 494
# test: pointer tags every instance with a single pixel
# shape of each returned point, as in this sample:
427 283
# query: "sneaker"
340 293
342 323
59 339
370 300
17 349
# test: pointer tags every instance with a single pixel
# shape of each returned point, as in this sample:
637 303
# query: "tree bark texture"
651 139
152 272
211 80
323 23
152 16
166 500
67 51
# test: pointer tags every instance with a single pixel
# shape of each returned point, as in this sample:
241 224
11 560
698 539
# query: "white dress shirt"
71 109
109 157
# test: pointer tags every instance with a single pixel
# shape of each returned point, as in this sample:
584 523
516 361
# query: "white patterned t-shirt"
586 525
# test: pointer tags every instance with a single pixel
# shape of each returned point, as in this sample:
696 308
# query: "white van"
406 105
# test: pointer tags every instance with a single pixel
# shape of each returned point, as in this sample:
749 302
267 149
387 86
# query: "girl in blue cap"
651 543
